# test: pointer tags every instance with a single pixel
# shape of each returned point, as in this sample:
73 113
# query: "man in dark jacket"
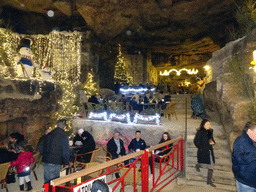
244 159
116 146
137 143
55 152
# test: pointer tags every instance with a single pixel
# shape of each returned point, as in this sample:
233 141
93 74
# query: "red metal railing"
169 165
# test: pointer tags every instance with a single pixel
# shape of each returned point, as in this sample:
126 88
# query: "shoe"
211 184
21 187
197 168
29 186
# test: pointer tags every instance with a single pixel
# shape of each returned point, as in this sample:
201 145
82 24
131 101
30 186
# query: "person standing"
205 157
23 162
55 151
244 159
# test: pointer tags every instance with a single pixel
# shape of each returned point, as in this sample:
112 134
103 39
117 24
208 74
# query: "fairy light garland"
121 72
134 90
90 85
61 52
124 117
178 72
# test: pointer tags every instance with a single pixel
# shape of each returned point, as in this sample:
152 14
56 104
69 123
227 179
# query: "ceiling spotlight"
50 13
22 5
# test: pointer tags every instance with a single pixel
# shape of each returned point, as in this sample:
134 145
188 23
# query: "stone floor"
175 127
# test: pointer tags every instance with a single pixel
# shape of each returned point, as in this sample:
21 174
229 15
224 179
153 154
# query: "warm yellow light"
187 83
206 67
254 58
178 72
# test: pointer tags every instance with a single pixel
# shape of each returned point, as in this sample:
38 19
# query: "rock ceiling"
168 26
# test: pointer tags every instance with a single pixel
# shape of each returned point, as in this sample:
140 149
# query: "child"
23 162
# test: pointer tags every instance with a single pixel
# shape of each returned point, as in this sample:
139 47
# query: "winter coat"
112 148
88 146
23 162
163 148
77 138
55 149
134 142
7 156
244 160
201 141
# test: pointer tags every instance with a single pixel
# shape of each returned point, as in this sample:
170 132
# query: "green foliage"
246 18
118 109
239 79
151 111
96 108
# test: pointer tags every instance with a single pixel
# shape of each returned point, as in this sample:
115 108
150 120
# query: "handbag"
10 177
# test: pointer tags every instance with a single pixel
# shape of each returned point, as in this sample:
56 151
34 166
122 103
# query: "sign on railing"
86 187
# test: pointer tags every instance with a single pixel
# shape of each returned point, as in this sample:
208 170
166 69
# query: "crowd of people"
54 147
135 101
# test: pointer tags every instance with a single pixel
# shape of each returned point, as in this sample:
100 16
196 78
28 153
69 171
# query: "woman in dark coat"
88 145
205 157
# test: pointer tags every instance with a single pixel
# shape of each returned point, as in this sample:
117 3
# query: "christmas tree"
90 85
121 73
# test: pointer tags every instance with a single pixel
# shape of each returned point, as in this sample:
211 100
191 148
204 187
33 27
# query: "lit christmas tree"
90 85
69 106
121 73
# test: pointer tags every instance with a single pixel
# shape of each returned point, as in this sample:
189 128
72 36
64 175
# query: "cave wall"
223 100
26 110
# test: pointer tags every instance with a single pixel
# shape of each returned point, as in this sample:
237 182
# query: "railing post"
181 155
144 171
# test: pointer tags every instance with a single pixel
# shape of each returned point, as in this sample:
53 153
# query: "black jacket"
7 156
134 142
77 138
201 141
88 145
55 149
112 148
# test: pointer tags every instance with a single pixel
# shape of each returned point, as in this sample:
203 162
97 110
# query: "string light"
134 90
90 85
98 116
206 67
178 72
155 117
121 73
60 51
124 117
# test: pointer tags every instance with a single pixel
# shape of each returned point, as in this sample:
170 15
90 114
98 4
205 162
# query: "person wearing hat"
78 140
